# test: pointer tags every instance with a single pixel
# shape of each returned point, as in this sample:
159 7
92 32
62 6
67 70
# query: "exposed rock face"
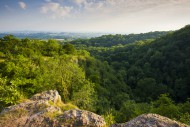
151 120
51 95
46 110
80 118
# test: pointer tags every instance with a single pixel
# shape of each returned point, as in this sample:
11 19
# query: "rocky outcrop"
81 118
47 110
51 95
150 120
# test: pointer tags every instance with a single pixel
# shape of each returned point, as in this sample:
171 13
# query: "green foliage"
130 110
143 68
69 49
10 94
126 74
145 89
185 118
109 118
118 39
52 115
52 48
85 97
166 107
48 65
186 106
165 59
63 106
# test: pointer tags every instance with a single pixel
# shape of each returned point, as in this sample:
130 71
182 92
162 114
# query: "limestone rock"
51 95
150 120
45 110
82 118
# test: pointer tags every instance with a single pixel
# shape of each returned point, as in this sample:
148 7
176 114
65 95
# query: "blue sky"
116 16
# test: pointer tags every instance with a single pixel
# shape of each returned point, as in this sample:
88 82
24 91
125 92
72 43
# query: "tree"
69 48
166 107
145 89
130 110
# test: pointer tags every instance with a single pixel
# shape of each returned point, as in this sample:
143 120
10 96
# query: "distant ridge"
51 35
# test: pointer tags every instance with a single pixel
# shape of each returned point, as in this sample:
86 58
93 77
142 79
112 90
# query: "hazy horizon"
94 16
78 32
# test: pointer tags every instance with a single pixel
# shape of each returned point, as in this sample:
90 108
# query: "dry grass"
62 106
12 115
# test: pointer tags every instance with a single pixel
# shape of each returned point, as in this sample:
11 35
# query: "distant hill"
166 60
51 35
113 40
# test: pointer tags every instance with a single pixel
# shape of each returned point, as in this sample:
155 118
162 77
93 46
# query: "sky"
110 16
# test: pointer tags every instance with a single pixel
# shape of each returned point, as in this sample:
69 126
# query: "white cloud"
118 15
48 0
79 1
56 10
110 8
94 9
7 7
22 5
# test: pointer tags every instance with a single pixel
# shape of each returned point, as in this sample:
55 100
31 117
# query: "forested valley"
116 76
